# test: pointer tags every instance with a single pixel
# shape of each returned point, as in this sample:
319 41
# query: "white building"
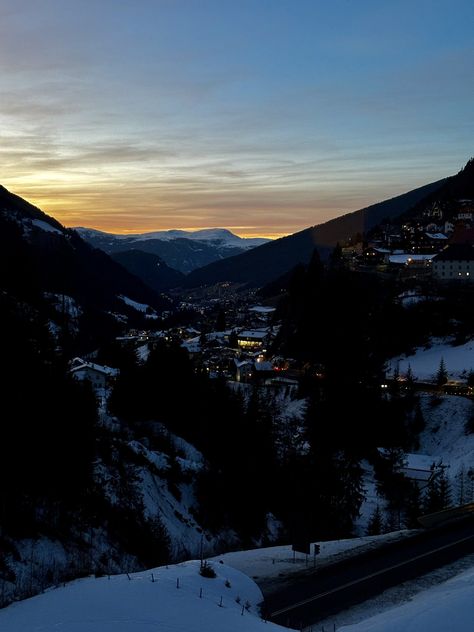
98 375
454 263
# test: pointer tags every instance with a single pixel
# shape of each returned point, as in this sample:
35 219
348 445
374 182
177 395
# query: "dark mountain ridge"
150 268
59 260
265 263
454 190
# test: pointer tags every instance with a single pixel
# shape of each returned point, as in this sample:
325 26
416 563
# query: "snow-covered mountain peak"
221 236
183 250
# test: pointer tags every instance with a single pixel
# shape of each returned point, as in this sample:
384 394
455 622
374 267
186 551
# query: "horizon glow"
262 116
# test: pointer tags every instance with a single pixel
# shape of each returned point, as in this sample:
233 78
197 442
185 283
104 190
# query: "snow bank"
449 606
170 603
445 434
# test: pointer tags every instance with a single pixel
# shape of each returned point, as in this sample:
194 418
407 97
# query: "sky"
261 116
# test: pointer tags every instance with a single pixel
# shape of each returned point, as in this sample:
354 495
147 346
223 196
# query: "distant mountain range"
181 250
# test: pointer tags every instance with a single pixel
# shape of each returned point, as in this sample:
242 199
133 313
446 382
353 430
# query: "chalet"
454 263
262 312
409 259
410 265
262 370
252 338
98 375
374 255
352 250
243 370
257 371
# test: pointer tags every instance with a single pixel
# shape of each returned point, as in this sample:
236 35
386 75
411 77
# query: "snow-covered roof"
436 236
261 309
420 462
253 333
192 346
240 363
78 364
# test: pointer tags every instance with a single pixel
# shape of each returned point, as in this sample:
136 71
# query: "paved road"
322 592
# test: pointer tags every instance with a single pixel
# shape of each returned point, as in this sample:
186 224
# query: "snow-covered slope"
167 599
157 485
172 503
449 606
424 363
178 599
445 432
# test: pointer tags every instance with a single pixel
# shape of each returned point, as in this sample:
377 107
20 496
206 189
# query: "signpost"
301 546
317 551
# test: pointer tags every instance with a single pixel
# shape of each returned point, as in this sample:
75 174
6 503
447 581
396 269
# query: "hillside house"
98 375
242 370
411 265
262 371
262 312
454 263
464 216
374 255
252 338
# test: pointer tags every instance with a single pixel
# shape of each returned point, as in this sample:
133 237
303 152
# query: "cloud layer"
262 117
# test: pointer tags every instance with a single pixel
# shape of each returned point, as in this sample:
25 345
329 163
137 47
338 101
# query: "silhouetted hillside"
267 262
150 268
56 259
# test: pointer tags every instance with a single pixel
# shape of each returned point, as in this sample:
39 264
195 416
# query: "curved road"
325 591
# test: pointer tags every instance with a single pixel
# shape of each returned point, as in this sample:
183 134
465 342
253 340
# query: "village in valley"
229 330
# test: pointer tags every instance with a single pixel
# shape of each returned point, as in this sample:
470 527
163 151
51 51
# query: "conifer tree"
438 492
335 258
375 525
442 374
461 485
